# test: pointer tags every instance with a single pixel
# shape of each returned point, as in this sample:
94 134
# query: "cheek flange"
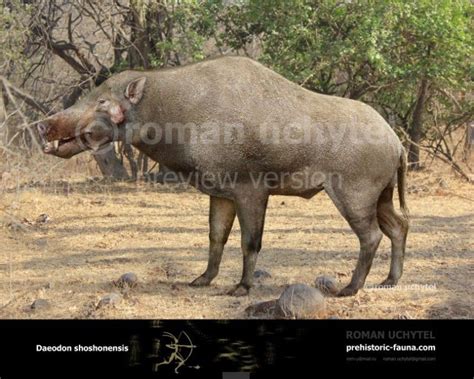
117 114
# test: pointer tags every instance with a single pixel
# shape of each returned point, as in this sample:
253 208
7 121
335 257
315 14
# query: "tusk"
56 144
117 147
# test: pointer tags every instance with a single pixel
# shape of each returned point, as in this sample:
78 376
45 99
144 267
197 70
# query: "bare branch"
28 99
443 157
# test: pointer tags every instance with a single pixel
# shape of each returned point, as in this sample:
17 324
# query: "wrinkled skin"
352 153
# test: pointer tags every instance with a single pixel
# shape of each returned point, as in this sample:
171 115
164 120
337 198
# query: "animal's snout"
48 147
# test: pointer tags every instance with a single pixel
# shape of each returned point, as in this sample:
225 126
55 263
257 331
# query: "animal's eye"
102 101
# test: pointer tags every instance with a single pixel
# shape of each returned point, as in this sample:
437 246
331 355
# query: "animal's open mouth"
55 146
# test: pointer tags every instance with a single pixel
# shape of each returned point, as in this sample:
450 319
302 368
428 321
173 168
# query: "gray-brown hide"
240 132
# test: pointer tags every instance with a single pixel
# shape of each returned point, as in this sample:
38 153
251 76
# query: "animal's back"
281 127
286 127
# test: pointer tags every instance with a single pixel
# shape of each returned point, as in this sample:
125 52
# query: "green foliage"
345 47
13 35
377 51
178 31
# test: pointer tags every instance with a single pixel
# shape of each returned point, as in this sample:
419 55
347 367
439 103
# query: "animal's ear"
134 90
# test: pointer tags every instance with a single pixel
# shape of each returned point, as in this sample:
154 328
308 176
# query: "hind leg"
367 230
361 214
395 227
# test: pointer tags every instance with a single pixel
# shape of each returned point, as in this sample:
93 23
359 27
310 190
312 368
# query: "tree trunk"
138 52
110 166
468 142
128 151
3 112
416 127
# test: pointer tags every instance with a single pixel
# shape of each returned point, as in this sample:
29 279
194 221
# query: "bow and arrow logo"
181 348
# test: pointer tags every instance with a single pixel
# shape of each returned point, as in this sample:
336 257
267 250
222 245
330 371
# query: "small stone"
442 183
43 218
326 285
25 221
236 303
333 318
110 299
265 309
261 275
39 304
299 301
42 242
17 227
404 316
129 280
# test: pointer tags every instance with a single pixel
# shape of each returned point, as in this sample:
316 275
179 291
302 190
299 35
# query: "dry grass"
98 232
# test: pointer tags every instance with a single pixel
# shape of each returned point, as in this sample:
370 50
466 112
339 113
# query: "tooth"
56 144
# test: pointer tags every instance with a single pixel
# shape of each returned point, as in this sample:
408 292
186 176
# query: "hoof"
201 281
347 291
240 290
389 282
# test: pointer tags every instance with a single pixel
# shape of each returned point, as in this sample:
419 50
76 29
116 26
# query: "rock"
25 221
261 275
300 301
414 188
442 183
16 227
39 304
129 280
43 218
42 242
265 309
101 245
333 318
326 285
110 299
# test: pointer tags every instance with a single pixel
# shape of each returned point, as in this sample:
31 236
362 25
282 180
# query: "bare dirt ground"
97 232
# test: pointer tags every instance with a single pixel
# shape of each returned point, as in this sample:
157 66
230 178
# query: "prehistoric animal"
240 133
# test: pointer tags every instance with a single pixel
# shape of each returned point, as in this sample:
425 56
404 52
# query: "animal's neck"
150 139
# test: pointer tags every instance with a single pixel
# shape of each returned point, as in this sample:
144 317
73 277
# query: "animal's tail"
401 178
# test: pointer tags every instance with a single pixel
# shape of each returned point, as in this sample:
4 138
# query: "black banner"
246 349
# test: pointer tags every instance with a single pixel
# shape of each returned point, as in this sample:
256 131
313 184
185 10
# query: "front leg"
221 218
251 207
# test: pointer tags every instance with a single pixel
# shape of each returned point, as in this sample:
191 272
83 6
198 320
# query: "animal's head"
93 122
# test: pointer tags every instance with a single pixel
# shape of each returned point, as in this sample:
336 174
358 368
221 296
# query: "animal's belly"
299 183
